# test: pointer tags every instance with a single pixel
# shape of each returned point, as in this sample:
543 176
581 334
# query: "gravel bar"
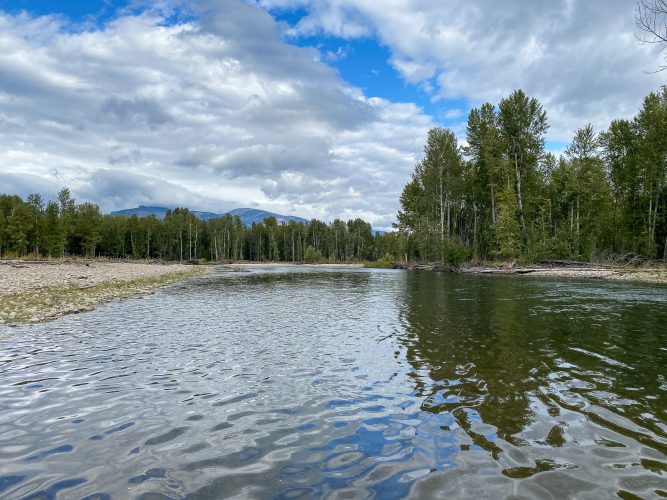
34 291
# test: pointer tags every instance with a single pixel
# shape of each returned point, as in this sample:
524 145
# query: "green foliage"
507 230
65 228
312 256
456 252
432 201
386 262
607 195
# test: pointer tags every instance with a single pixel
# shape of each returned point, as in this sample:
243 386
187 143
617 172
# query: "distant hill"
250 215
247 215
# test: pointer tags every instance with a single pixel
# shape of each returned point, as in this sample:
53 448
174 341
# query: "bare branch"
651 21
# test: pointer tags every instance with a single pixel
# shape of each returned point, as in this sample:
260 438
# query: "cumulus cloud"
214 111
579 57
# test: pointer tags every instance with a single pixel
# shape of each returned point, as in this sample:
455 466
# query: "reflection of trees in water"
321 281
475 347
488 350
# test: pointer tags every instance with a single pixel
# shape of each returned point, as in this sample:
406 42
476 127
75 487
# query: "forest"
499 196
502 196
61 228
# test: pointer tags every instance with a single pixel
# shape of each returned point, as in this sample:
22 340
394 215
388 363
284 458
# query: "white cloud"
212 114
579 57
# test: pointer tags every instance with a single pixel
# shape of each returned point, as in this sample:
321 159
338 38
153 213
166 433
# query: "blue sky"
304 107
78 10
361 62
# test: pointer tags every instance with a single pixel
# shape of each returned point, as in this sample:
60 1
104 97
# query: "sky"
312 108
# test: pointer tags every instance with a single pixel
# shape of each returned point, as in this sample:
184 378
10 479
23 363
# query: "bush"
312 256
456 252
386 262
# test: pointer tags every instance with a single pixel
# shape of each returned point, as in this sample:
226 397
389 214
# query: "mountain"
250 215
159 212
247 215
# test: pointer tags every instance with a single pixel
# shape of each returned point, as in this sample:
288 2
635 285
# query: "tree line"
61 228
502 195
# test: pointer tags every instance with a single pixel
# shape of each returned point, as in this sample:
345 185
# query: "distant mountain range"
247 215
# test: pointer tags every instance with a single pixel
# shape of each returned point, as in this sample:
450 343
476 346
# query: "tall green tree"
523 127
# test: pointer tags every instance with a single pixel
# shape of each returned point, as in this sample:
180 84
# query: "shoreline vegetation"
650 273
501 195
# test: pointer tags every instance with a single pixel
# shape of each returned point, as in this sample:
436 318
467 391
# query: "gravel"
34 291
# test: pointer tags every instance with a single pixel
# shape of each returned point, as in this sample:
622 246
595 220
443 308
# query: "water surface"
339 383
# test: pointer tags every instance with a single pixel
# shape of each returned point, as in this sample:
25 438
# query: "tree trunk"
655 218
449 216
336 244
650 225
493 205
578 232
132 242
442 212
519 198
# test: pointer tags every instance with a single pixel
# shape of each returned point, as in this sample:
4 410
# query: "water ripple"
308 383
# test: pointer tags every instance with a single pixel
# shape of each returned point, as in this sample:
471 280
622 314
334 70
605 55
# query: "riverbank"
259 265
35 291
570 270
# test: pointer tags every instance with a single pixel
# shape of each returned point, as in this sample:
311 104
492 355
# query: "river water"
343 383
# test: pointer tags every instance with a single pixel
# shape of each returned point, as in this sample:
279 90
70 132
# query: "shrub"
312 256
456 252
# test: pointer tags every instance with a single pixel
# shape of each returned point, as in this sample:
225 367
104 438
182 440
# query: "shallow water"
315 382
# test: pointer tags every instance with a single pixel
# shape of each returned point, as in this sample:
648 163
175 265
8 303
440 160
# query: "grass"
379 264
49 303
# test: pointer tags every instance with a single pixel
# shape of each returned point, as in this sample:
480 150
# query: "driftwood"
431 266
571 263
550 267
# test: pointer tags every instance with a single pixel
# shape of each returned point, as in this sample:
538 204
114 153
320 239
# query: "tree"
20 224
52 244
651 127
67 210
507 227
431 201
635 153
523 126
620 145
590 194
37 205
87 228
485 150
651 21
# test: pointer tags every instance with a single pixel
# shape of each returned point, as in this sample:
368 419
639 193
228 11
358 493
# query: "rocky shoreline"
564 270
35 291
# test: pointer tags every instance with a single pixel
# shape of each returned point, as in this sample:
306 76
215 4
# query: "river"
313 382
